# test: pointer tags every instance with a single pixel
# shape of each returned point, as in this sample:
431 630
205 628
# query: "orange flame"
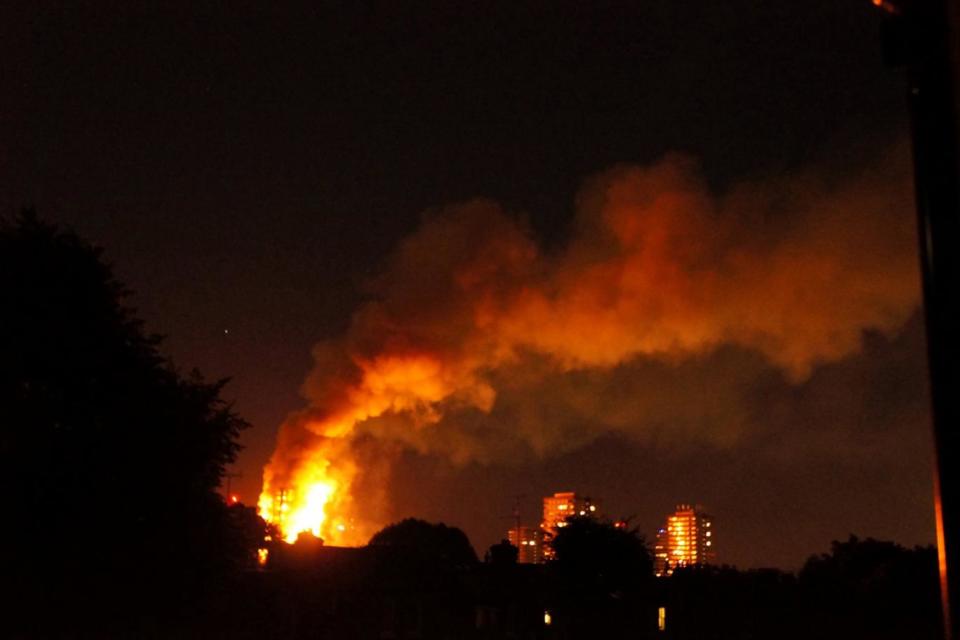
311 503
315 493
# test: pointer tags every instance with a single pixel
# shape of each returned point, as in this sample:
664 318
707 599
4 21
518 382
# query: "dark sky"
249 167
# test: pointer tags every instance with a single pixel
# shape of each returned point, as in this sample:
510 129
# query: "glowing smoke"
657 267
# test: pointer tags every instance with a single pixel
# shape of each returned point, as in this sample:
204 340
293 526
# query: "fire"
296 513
306 505
658 267
313 492
310 513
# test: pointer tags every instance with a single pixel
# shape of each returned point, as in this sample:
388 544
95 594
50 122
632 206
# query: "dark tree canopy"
437 543
503 554
110 458
600 556
862 564
875 585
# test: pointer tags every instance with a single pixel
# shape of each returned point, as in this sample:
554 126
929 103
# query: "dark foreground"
863 589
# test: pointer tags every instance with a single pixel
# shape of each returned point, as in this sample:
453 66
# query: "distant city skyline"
685 537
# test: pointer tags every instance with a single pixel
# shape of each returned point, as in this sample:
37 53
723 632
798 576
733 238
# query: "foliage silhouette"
249 532
437 544
592 555
874 587
109 457
502 554
602 577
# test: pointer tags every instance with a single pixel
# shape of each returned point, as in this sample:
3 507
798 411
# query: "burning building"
684 540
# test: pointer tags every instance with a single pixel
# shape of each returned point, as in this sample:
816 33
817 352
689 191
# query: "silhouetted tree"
308 539
249 532
599 556
503 554
109 458
601 579
873 587
437 543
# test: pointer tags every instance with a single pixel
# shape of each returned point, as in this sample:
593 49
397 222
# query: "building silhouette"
684 540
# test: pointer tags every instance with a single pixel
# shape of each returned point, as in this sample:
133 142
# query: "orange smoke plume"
657 266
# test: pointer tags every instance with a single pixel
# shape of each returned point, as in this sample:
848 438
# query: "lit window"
708 543
547 618
662 619
562 507
592 508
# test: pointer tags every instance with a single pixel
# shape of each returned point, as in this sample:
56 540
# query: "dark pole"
230 477
924 35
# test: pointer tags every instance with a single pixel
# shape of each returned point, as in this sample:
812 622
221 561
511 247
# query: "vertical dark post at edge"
926 37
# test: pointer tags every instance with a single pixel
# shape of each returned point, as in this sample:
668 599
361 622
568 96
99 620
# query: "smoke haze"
660 320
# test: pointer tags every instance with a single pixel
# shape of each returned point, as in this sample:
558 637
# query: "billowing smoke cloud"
658 272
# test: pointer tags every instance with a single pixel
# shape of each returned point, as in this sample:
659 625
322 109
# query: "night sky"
252 169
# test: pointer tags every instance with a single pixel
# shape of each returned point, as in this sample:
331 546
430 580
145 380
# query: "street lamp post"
924 37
